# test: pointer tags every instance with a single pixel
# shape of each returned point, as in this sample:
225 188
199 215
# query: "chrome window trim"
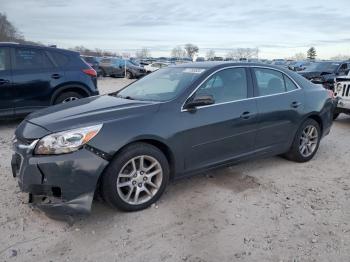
240 100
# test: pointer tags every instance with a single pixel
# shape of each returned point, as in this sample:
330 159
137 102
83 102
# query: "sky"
278 28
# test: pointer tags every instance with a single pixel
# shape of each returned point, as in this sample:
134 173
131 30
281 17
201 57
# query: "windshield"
323 67
162 85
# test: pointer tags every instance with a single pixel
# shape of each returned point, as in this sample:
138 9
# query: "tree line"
9 33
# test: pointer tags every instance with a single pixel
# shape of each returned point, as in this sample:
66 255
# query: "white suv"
342 93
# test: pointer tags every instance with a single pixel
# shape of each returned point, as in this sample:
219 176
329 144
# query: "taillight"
90 72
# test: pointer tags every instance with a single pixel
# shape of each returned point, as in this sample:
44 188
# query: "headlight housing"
66 141
339 87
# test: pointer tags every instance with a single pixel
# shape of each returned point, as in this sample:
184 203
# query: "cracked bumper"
60 185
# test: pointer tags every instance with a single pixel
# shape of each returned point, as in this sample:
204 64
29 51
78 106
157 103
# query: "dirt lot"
264 210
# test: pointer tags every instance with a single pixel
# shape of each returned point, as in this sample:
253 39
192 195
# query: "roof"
218 64
35 46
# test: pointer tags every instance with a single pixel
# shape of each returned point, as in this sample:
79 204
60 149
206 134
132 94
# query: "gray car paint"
192 140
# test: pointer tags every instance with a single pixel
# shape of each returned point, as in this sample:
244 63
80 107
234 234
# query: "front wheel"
306 142
136 178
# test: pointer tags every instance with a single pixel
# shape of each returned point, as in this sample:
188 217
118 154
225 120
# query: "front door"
225 130
7 94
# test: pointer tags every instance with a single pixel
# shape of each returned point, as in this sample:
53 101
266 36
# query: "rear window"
28 58
59 58
89 59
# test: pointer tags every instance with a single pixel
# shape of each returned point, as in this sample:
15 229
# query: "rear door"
7 94
34 76
280 105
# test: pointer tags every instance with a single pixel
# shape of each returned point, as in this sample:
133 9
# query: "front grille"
346 90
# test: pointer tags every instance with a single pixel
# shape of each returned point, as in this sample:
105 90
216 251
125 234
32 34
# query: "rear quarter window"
59 58
31 58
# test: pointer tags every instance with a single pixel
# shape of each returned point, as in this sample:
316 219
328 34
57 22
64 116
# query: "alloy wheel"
139 179
308 141
69 99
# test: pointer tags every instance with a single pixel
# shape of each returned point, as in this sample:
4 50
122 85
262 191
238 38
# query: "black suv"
34 77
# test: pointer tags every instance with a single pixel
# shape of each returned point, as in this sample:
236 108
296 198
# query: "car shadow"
234 178
343 120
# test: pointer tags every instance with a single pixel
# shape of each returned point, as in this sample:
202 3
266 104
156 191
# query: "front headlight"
339 87
66 141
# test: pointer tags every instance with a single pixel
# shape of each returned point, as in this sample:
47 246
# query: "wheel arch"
158 143
317 118
72 87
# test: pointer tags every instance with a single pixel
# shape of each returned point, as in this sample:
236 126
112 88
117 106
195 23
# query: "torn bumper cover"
58 184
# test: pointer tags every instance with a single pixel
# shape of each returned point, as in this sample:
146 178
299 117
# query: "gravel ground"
263 210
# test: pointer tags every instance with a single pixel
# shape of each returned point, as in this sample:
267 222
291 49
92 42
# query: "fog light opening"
56 191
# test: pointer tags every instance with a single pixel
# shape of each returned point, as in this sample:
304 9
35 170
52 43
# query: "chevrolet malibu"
178 121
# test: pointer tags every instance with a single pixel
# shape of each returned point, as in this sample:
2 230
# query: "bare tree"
341 57
178 52
298 56
8 32
210 54
232 55
143 53
239 53
191 50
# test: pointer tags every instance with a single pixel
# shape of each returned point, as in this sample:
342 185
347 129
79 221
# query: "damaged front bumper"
60 185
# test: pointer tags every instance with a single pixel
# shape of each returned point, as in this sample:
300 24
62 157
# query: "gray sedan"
175 122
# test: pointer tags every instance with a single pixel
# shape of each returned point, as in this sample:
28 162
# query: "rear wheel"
306 142
136 178
67 97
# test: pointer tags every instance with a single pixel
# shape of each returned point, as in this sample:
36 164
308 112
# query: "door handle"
247 115
4 81
295 104
55 76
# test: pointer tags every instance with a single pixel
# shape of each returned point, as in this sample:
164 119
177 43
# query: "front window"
162 85
226 85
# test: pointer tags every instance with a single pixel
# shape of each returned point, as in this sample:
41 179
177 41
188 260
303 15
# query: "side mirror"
202 100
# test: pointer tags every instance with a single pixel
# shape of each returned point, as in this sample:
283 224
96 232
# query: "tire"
297 153
128 75
67 96
121 177
335 116
103 72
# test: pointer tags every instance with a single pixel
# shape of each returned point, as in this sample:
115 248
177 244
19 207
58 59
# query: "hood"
312 74
89 111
